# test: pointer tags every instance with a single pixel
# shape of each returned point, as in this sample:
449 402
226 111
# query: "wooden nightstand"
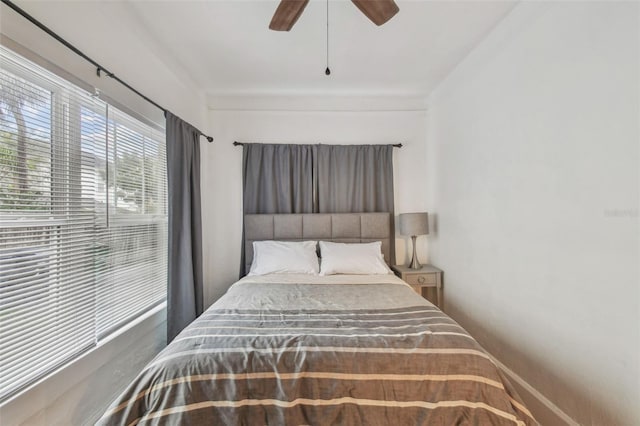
427 276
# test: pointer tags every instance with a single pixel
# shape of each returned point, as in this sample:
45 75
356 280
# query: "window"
134 247
83 221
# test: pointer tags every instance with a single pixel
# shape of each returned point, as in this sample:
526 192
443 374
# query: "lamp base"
414 260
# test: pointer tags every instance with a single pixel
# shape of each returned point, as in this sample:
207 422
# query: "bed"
292 348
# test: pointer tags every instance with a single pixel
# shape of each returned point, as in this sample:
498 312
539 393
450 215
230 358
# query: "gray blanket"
279 362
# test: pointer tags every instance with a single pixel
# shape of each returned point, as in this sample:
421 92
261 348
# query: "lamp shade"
414 223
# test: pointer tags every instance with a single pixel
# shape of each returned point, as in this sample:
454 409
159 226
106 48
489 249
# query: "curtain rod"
236 143
99 68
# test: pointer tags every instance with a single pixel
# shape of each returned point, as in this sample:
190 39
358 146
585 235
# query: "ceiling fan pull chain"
327 71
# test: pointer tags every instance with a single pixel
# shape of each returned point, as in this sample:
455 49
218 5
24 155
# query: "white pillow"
284 257
353 258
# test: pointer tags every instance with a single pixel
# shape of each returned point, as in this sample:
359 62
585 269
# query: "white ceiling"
225 47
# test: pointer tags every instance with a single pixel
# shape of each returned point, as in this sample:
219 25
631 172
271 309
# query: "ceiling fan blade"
287 14
379 11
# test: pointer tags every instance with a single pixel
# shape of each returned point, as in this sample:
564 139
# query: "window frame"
65 142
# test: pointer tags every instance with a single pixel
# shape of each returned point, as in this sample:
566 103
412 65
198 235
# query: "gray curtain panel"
185 289
355 178
278 178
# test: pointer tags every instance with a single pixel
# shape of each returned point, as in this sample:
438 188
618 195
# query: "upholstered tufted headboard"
336 227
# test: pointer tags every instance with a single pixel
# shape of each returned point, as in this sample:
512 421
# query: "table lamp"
414 224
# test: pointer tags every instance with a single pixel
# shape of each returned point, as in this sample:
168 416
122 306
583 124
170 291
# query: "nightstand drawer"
420 279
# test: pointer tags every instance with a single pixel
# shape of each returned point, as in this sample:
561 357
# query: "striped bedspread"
395 365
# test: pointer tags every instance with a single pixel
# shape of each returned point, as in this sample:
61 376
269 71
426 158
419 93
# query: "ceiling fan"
288 12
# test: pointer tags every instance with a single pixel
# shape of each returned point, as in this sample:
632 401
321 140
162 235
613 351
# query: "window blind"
82 221
134 246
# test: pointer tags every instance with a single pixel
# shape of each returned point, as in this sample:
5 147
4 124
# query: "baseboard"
552 415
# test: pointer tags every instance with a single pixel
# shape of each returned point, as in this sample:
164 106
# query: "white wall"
533 173
79 393
299 120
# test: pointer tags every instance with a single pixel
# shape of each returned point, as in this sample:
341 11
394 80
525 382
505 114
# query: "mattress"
302 349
